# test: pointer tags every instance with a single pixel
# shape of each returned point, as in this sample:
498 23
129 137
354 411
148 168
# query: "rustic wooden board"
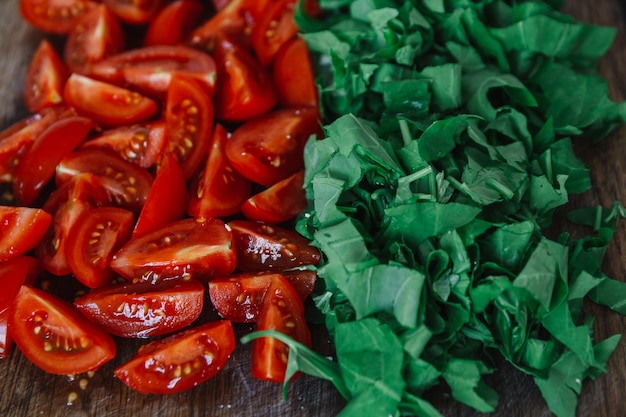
28 391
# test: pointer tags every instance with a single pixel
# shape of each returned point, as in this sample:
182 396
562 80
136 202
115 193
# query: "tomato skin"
275 27
54 16
293 75
106 103
280 202
18 138
245 89
21 229
217 190
149 70
66 204
141 143
127 183
180 17
188 122
45 78
270 148
96 35
13 274
134 12
166 199
38 164
181 361
189 248
144 309
239 297
56 337
262 247
97 234
282 311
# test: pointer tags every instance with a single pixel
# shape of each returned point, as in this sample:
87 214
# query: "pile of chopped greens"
448 150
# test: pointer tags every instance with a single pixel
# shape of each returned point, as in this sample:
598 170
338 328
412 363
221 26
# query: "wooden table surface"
27 391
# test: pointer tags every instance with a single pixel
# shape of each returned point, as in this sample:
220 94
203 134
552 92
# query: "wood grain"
28 391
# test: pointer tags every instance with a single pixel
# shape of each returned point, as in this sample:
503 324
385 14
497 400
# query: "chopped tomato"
45 78
91 243
56 337
106 103
38 164
144 309
239 297
217 190
21 229
180 17
166 199
188 122
18 138
128 184
13 274
293 75
66 204
282 311
233 20
149 70
262 247
134 11
141 143
55 16
245 89
275 27
270 148
278 203
189 248
96 35
181 361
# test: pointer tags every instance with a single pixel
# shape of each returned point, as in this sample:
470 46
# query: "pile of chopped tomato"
163 158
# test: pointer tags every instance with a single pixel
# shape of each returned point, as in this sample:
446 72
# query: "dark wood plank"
27 391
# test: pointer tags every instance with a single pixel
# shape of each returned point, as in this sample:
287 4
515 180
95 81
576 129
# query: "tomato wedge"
39 163
275 27
56 337
280 202
188 122
245 89
55 16
96 35
141 144
180 17
239 297
144 309
189 248
66 204
181 361
293 75
282 311
106 103
19 137
128 184
166 199
97 234
13 274
21 229
262 247
133 11
270 148
45 78
149 70
217 190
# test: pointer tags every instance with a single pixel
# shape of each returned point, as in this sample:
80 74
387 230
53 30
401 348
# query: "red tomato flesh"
180 17
56 16
144 309
21 229
45 78
181 361
55 336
